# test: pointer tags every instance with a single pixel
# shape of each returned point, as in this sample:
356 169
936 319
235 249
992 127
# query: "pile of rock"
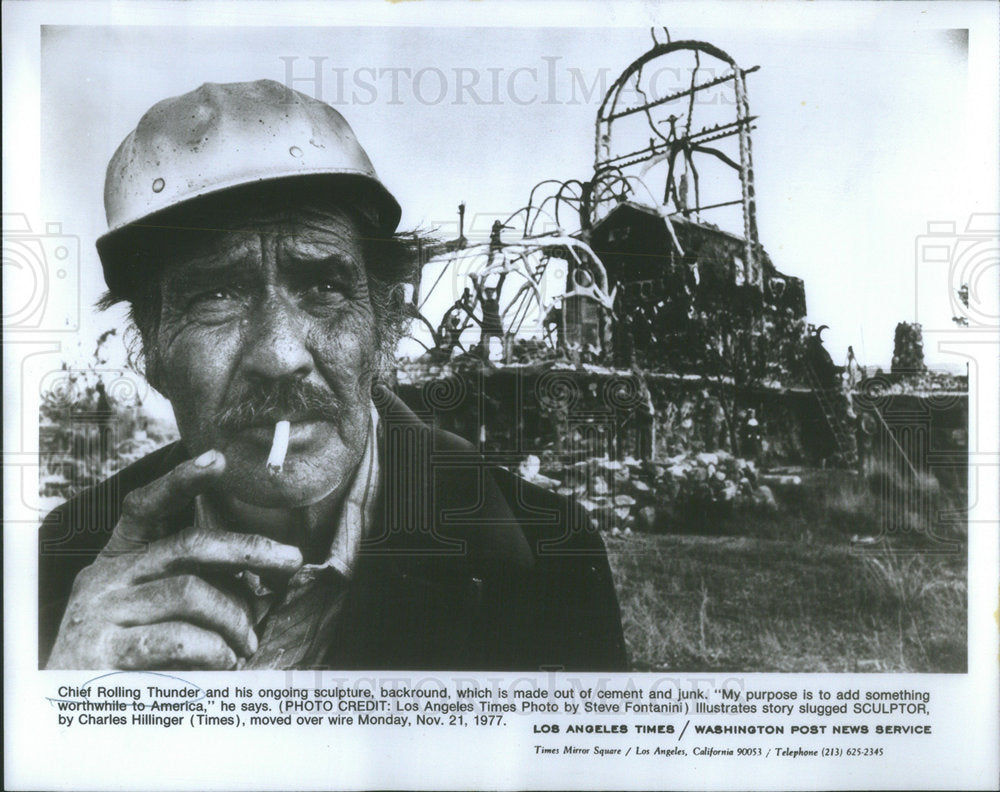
620 495
612 492
707 477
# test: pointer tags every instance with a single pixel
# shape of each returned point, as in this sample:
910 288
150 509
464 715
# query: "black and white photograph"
544 387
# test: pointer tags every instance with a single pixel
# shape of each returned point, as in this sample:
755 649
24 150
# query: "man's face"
266 322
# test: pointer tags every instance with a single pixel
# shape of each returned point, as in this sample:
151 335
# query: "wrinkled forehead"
296 229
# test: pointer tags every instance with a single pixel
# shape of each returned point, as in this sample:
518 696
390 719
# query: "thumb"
148 512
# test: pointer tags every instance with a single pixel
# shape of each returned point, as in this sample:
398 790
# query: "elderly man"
306 518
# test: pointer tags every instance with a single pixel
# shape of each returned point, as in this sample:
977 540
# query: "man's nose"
277 342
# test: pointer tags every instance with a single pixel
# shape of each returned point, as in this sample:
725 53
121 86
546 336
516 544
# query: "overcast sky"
868 130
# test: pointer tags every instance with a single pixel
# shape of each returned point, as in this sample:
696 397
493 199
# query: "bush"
92 424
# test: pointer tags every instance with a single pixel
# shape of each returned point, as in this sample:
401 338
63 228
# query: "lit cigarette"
279 447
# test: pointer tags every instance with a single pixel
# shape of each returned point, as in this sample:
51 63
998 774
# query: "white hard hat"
222 136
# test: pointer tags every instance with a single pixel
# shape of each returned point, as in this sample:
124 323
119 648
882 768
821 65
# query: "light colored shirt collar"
357 513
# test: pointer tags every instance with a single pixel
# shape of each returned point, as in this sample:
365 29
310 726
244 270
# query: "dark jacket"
475 568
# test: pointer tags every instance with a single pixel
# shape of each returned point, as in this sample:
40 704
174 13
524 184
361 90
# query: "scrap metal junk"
653 261
534 294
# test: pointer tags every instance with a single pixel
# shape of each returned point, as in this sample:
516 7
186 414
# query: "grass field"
790 591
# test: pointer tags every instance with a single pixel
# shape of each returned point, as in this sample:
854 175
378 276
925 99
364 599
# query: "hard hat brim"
365 197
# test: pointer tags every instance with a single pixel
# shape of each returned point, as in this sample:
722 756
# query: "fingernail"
206 459
252 643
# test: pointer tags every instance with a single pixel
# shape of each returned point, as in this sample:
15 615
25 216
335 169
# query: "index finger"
146 510
196 548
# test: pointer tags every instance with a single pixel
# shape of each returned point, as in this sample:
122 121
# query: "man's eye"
213 299
327 288
214 295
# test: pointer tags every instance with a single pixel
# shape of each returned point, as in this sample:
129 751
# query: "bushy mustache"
270 402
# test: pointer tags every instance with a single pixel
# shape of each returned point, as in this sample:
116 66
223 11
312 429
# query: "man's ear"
397 300
149 367
159 389
157 382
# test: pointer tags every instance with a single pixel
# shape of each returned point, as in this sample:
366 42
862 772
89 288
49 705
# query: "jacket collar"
441 512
